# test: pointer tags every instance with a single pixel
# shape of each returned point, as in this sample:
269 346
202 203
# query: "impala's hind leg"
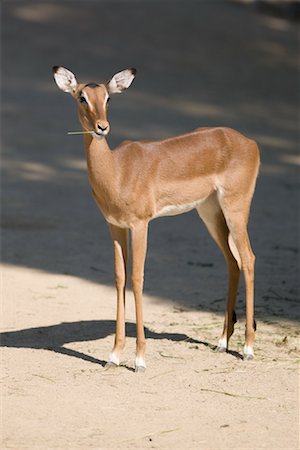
139 249
237 218
212 215
119 238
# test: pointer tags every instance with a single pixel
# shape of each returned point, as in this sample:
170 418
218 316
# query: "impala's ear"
121 81
65 79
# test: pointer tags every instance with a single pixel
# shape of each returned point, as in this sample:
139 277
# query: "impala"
213 170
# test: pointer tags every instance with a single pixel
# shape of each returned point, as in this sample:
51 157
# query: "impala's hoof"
222 346
110 365
140 365
220 349
140 369
248 353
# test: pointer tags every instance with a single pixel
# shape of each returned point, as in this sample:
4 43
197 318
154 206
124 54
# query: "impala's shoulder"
132 145
213 132
124 144
216 130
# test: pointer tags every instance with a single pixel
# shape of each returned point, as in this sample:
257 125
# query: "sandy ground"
199 64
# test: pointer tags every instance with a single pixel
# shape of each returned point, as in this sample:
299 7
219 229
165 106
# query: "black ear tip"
133 71
55 69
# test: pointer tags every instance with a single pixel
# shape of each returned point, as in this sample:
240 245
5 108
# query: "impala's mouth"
99 134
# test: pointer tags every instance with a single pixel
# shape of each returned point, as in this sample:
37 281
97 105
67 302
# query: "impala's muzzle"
102 128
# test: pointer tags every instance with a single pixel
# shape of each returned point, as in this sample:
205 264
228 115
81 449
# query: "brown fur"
211 169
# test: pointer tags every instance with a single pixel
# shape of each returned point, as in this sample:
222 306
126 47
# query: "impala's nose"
102 126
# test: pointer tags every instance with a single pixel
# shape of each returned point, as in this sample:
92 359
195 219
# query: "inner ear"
121 81
65 79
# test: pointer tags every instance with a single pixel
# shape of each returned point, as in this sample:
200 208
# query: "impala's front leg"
119 238
139 248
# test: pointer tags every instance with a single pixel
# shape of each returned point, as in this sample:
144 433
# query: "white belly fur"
172 210
169 210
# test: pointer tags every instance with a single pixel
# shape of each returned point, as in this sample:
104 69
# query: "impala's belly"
168 210
173 210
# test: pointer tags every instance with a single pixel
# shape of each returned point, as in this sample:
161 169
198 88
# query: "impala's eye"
82 99
107 101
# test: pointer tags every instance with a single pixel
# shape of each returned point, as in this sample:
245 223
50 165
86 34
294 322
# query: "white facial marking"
113 358
140 362
99 135
84 95
96 136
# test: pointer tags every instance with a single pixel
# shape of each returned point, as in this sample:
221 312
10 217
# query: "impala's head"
92 98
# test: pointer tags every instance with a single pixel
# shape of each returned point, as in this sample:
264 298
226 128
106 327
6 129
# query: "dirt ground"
200 63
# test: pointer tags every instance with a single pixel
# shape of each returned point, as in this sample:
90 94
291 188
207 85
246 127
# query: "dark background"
199 63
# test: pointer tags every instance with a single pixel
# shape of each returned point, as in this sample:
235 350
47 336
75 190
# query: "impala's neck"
100 164
92 145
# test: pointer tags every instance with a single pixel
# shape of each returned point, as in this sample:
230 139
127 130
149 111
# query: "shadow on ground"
53 338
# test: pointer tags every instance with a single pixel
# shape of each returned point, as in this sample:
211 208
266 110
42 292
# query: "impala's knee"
252 258
137 282
248 262
120 280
